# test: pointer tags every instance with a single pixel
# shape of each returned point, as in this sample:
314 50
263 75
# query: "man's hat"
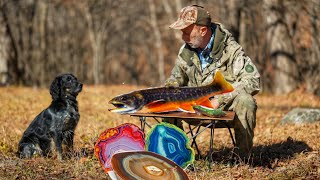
193 14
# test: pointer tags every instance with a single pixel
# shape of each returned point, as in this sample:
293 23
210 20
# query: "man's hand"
215 103
171 84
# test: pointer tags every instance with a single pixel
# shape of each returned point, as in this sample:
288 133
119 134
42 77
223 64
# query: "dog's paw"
29 150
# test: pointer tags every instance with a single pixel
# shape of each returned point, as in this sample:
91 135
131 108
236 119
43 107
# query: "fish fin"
219 79
204 101
207 103
160 101
183 110
160 106
186 108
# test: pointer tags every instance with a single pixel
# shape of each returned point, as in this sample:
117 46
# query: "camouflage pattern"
192 15
237 68
245 107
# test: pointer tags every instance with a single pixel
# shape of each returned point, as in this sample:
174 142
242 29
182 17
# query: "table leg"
213 123
194 139
231 135
143 123
156 120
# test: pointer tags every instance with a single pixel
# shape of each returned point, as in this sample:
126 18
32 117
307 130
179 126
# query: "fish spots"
139 95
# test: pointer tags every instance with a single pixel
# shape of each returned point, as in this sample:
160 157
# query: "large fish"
165 99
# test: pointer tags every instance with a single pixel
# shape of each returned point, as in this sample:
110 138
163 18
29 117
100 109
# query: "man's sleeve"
246 73
177 77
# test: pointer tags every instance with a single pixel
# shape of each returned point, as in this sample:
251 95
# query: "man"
209 47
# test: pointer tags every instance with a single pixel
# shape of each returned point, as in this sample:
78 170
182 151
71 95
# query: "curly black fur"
57 122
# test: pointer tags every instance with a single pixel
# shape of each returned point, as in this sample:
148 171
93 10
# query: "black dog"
57 122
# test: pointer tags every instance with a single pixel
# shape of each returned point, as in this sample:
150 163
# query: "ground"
280 151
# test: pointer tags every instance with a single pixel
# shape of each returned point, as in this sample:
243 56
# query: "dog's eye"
69 79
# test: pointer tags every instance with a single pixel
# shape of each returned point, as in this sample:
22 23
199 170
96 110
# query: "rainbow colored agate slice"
126 137
146 165
171 142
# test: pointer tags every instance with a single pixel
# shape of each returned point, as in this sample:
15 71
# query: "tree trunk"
285 71
4 51
158 40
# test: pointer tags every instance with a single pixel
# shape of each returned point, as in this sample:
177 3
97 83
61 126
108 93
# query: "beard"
196 42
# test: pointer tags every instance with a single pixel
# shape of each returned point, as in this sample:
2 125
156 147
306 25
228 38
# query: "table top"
184 115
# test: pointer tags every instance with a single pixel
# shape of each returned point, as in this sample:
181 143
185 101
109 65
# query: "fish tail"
219 79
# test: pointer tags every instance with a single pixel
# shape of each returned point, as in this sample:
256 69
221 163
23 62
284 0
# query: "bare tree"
106 41
172 13
4 50
303 18
281 50
158 39
97 30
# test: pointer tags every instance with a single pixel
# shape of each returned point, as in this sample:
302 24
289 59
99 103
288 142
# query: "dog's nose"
80 85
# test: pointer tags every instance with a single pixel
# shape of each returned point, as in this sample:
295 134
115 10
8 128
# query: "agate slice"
146 165
171 142
126 137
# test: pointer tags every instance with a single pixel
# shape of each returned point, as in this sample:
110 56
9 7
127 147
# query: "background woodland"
129 42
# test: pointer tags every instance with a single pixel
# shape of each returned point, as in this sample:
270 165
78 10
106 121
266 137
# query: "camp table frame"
200 123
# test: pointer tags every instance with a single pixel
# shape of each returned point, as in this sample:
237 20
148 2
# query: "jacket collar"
219 43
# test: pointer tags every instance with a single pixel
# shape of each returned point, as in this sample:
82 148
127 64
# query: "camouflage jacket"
228 57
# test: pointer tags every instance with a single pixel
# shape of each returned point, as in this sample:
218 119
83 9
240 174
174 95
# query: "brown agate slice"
145 165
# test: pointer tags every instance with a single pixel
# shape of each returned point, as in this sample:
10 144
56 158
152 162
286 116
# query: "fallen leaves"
280 151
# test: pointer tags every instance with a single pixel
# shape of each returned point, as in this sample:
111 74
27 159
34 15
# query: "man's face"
192 36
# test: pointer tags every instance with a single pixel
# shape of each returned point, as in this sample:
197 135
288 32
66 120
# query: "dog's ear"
55 88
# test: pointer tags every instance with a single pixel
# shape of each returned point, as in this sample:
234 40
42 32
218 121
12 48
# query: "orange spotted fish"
165 99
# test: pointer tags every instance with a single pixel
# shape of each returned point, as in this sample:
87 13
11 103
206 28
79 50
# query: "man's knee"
245 101
245 108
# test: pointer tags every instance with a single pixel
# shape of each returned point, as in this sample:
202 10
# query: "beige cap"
193 14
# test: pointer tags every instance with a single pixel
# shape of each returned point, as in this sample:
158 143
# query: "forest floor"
279 152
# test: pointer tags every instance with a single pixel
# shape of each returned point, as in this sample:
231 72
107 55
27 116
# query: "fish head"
127 103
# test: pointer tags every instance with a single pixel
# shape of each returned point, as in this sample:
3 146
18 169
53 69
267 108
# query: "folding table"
195 120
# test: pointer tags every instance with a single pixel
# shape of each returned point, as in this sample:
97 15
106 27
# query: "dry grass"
280 152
